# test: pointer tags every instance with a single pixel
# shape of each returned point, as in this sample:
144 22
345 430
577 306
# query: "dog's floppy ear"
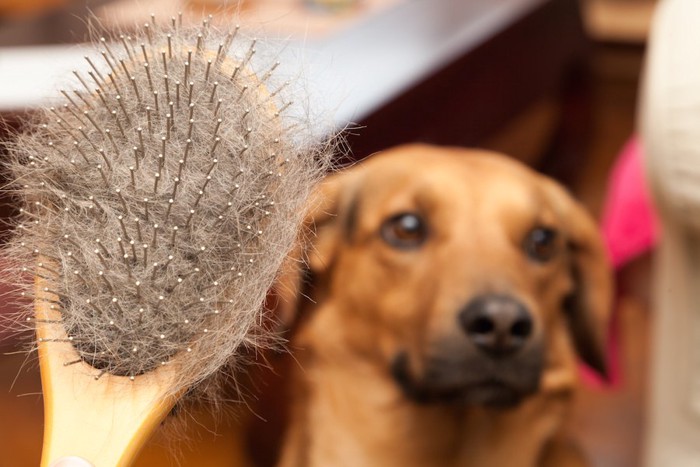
322 227
319 238
588 306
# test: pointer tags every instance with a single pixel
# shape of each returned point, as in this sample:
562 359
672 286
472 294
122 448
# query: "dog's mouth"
494 393
481 388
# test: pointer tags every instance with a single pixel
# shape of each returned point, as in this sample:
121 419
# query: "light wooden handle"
105 421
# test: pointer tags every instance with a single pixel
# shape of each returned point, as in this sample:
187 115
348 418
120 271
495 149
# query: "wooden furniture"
542 54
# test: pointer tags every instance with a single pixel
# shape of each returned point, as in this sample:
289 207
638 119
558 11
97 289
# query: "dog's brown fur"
371 306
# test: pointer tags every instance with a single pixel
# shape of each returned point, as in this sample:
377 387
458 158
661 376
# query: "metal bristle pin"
163 158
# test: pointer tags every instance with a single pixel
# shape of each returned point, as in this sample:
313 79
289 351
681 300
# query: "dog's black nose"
497 324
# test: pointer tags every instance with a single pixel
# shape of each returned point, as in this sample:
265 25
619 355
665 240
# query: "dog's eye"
541 244
404 231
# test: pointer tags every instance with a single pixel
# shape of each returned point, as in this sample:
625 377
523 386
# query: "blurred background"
550 82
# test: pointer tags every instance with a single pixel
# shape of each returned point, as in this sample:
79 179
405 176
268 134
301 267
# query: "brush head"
160 198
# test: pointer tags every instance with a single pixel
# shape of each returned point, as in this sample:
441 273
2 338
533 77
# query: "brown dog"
449 292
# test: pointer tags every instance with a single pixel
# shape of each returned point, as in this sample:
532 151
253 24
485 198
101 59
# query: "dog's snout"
498 325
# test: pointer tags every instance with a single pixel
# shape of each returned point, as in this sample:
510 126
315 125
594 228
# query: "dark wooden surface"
543 55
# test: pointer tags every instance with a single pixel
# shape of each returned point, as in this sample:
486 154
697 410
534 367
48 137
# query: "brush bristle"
161 198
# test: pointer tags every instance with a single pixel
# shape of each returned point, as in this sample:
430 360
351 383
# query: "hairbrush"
159 199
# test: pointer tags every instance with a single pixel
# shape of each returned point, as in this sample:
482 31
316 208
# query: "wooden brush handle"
105 421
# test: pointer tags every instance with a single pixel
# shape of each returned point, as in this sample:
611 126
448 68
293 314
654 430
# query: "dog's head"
462 273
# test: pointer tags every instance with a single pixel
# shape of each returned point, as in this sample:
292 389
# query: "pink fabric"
630 228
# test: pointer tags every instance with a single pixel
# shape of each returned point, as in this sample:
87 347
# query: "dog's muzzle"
496 360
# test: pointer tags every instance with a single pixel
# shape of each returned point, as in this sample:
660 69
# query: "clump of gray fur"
159 209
